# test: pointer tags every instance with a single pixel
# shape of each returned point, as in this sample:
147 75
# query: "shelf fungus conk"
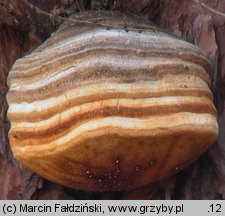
113 104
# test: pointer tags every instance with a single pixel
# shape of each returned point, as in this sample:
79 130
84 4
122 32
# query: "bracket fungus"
111 105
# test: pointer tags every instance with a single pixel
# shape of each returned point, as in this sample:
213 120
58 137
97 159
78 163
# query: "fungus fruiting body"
102 109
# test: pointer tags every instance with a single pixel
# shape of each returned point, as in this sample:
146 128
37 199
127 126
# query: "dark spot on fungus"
15 136
186 67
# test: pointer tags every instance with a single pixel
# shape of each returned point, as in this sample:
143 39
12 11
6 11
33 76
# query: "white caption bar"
112 207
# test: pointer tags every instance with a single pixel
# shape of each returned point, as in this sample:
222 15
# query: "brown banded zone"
102 108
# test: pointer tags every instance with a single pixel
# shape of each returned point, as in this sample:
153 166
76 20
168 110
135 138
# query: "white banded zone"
107 85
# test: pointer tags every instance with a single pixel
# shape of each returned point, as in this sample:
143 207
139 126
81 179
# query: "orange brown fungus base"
108 109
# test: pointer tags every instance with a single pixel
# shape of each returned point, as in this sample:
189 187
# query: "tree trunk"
26 24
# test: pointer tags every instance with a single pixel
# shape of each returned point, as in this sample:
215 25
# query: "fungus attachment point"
90 108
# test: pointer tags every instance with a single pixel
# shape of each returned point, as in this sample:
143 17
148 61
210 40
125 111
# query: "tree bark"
26 24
